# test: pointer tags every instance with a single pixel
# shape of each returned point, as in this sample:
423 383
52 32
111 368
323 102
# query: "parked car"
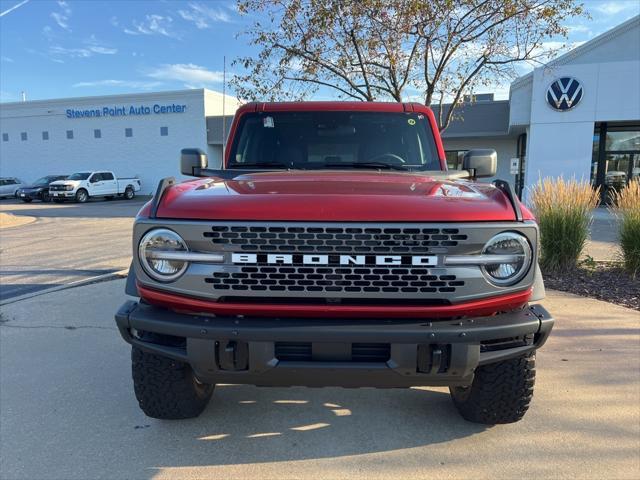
39 190
9 186
335 249
82 186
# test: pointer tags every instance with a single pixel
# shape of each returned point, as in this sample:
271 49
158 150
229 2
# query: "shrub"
627 207
563 210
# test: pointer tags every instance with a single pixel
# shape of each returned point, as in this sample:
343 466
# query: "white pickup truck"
83 185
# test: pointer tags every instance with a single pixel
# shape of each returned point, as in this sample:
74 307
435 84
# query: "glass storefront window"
623 141
616 162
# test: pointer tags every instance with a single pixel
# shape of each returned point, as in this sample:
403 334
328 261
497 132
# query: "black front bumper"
30 194
320 352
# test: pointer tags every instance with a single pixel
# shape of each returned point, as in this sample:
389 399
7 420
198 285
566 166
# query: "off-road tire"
82 196
500 392
167 389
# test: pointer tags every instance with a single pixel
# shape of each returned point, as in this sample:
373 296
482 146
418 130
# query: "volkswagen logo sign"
564 94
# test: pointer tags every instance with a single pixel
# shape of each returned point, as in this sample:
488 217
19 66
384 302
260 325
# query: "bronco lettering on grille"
296 259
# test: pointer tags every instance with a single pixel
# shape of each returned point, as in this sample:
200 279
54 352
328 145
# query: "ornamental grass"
563 210
626 206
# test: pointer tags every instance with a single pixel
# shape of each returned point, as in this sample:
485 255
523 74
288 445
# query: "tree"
394 49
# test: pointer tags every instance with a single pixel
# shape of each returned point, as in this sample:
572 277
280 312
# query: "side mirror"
481 162
192 160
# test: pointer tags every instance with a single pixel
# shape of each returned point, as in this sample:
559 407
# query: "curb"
80 283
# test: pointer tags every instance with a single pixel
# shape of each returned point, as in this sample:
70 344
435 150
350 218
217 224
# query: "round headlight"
155 251
516 258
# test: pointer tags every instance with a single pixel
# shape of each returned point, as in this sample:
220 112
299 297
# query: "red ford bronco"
334 248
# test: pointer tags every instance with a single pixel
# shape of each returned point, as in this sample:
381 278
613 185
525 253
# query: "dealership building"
132 135
578 116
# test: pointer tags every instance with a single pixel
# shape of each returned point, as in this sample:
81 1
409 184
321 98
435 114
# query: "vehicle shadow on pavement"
115 208
245 424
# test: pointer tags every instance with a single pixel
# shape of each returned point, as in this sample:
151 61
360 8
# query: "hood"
335 196
66 182
33 187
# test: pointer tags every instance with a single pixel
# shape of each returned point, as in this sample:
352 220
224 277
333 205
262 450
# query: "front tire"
500 392
82 196
167 389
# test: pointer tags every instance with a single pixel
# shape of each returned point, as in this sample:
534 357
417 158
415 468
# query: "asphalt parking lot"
66 243
68 410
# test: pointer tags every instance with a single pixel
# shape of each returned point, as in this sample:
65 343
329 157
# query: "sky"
75 48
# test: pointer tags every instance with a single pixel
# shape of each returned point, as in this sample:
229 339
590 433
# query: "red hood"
335 196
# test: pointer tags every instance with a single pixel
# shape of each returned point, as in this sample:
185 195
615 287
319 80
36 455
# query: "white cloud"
193 76
119 83
114 21
6 59
11 9
613 8
81 52
202 16
62 17
153 25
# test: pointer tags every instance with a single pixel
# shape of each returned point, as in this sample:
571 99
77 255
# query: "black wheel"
82 196
166 388
500 392
26 200
129 193
109 197
45 197
58 200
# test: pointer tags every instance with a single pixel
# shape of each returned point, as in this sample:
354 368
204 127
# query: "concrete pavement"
67 243
67 410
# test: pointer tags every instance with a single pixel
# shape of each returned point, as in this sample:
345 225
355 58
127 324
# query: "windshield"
44 181
319 140
79 176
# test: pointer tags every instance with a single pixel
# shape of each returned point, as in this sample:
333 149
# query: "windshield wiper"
375 165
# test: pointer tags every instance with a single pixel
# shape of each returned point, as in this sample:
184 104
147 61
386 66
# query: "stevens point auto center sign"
125 111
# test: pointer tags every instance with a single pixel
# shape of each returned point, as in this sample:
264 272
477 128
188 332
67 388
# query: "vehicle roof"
332 106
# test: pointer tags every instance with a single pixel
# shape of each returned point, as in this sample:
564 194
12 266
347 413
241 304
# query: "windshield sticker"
411 121
267 122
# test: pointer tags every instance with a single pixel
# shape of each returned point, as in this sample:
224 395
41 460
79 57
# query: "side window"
96 177
107 176
2 183
5 137
23 136
11 181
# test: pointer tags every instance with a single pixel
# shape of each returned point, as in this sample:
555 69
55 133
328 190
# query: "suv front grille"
344 240
355 279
